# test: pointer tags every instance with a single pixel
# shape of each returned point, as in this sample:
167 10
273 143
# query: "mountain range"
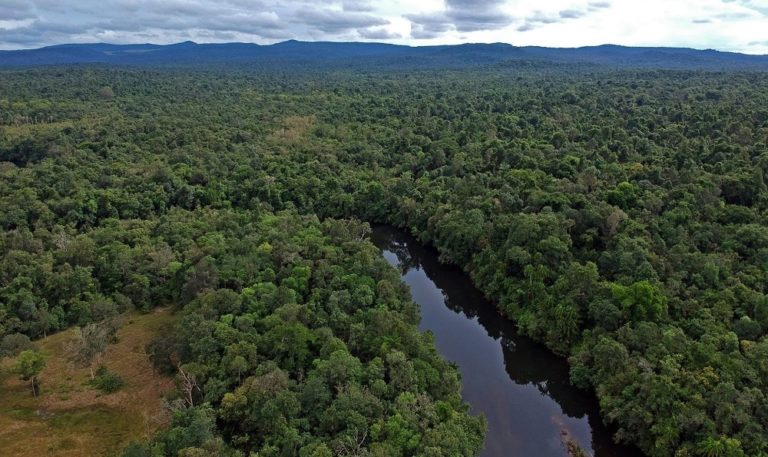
367 55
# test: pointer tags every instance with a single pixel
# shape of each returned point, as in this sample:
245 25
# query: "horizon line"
192 42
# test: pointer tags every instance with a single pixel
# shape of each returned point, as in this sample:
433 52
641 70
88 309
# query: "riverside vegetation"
617 216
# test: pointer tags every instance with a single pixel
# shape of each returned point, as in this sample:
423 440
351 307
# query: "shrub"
11 345
107 381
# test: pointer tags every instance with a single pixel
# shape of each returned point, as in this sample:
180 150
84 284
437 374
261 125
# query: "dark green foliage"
107 381
619 217
13 344
283 365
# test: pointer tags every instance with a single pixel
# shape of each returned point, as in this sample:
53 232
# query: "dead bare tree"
89 344
352 445
188 385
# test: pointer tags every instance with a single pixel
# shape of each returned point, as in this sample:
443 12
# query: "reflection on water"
520 387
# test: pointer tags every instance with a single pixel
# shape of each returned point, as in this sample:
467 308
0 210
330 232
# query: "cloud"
29 23
16 10
364 6
171 18
758 6
378 33
539 18
472 15
733 16
461 16
571 14
427 26
598 5
333 21
720 24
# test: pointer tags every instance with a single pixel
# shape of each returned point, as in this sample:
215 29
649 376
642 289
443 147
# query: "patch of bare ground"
70 417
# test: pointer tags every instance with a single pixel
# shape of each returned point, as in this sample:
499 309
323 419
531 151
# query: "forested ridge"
325 55
617 216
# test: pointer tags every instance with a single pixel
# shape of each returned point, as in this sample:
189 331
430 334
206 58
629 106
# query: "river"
517 384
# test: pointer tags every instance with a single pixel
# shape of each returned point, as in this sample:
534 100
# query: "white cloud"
732 25
738 25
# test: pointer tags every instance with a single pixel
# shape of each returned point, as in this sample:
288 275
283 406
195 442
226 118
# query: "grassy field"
71 418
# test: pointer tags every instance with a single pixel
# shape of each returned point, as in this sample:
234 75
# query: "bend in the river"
520 386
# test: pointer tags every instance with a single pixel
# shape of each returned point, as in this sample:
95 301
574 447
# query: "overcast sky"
729 25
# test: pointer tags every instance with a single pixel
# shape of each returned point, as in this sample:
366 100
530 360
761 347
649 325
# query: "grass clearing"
71 418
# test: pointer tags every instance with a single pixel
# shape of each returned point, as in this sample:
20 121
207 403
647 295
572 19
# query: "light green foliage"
641 301
29 364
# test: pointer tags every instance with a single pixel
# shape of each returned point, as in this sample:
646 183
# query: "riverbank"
521 387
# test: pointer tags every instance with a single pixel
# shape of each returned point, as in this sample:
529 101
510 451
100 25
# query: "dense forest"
617 216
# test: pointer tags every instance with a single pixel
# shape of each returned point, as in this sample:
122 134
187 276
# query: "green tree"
28 366
720 447
641 301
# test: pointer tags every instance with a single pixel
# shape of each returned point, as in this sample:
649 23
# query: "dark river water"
517 384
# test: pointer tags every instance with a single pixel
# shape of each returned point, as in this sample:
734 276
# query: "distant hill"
375 55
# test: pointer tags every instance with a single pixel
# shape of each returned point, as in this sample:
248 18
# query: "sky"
726 25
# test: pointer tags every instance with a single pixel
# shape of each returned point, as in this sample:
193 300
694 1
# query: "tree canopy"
617 216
